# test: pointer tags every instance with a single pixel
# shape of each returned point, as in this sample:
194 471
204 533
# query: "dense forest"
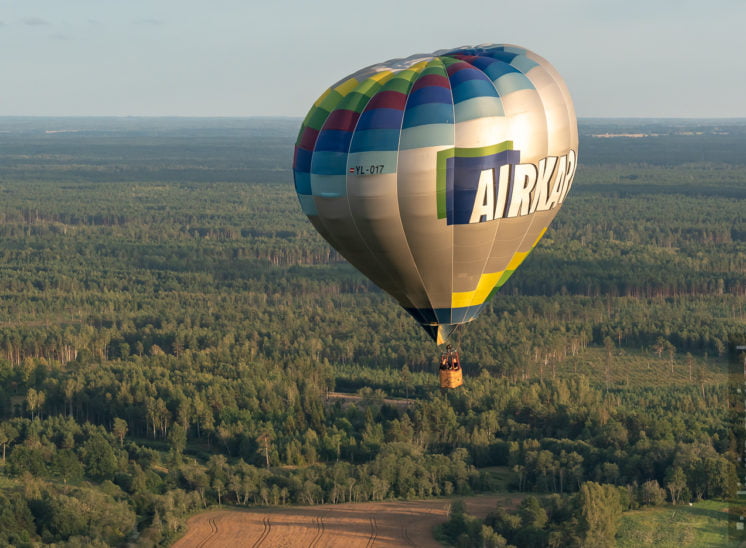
171 327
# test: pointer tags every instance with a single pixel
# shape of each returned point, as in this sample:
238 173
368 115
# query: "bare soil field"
332 525
349 399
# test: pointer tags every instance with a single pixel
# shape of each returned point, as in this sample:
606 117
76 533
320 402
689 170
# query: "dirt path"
348 399
335 526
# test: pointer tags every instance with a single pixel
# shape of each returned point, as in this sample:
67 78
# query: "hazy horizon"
300 118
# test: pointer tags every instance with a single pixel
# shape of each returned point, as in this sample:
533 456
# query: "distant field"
331 525
634 368
703 525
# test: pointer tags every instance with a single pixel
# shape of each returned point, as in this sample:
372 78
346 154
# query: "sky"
632 58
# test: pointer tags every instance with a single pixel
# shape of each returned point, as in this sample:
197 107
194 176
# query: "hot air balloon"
436 175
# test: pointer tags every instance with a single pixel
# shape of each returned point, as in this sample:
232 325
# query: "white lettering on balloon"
522 189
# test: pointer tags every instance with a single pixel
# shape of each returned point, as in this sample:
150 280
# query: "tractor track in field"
265 532
346 525
320 527
405 536
373 532
213 532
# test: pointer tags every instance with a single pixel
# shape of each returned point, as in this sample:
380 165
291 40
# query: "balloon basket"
451 378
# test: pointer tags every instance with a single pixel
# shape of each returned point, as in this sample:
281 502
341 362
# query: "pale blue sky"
648 58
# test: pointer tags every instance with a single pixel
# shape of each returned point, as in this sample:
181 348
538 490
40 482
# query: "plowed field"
334 525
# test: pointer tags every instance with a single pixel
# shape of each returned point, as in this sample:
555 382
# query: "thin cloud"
34 21
149 21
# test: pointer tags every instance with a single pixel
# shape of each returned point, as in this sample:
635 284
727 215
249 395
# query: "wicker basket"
451 378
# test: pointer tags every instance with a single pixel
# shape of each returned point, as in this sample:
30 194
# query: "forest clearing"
411 523
351 525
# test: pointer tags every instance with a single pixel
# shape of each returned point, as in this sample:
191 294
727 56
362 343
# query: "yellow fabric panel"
517 259
419 67
347 86
478 295
322 97
378 76
368 84
487 283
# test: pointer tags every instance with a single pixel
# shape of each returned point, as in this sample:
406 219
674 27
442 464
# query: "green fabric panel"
477 152
435 66
354 101
371 86
440 183
448 61
402 82
359 97
331 101
316 118
504 278
308 117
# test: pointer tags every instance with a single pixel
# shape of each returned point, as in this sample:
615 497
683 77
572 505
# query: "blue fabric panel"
483 62
333 140
458 315
497 69
329 163
329 186
505 56
375 139
523 63
444 315
302 182
303 160
461 189
380 118
429 94
307 204
473 88
509 83
429 113
464 75
478 107
462 51
518 50
473 311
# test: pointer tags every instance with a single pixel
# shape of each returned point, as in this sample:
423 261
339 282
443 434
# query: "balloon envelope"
436 175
